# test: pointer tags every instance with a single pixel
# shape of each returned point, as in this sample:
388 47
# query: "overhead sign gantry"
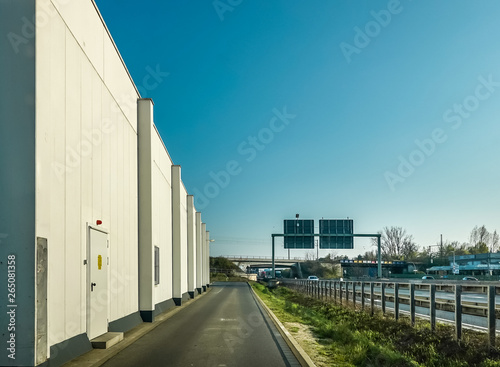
333 234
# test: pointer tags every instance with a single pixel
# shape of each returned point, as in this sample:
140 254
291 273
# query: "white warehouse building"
97 230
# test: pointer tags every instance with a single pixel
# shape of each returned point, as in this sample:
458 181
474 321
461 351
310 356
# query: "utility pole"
441 249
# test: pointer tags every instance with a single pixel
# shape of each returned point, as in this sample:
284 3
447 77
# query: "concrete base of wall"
147 316
184 298
164 306
67 350
125 323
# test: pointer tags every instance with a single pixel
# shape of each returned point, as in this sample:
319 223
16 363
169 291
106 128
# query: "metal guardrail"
262 258
349 293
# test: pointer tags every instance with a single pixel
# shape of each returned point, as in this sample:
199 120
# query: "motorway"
467 297
469 321
226 327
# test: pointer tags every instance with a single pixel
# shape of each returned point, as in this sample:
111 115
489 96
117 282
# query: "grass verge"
346 337
219 277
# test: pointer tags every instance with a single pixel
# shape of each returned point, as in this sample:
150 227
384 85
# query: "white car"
470 278
427 277
312 277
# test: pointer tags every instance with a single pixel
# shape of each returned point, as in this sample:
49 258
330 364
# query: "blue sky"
386 112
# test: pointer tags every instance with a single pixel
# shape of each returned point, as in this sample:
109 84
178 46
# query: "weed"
355 338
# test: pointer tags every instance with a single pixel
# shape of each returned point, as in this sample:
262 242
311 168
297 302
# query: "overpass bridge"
265 259
258 262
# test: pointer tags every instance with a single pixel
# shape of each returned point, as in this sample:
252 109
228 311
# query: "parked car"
470 278
312 277
427 277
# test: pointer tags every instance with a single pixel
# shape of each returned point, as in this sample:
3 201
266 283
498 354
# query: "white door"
98 285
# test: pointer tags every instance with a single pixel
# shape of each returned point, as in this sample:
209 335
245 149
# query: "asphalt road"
469 321
226 327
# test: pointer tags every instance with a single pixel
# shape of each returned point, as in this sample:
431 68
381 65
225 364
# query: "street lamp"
296 217
317 249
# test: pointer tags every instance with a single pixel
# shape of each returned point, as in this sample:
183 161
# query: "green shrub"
350 337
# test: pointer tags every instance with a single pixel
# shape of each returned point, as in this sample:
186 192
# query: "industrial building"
369 268
486 266
97 230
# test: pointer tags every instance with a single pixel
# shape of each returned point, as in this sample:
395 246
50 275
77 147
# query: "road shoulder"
299 353
97 357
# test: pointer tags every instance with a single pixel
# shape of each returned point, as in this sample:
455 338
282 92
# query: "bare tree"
410 249
479 235
333 255
396 243
462 249
480 248
370 255
495 241
310 255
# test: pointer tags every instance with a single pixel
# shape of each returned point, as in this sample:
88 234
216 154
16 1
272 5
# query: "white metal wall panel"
184 244
191 243
199 253
87 169
97 153
162 204
86 28
87 166
107 153
92 36
55 98
86 200
117 189
177 264
204 253
131 277
118 82
73 261
44 146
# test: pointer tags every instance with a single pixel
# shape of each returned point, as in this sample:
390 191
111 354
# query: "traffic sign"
336 227
298 227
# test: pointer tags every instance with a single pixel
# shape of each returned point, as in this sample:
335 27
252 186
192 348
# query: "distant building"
368 268
480 264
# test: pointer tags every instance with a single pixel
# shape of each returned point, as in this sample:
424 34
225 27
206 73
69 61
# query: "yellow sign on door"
99 262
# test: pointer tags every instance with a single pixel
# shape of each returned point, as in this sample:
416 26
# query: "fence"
364 294
252 257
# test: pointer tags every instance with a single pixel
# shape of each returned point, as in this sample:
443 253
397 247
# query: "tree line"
397 244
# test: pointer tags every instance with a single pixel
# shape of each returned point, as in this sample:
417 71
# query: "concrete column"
207 258
204 280
176 236
191 242
199 254
145 185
